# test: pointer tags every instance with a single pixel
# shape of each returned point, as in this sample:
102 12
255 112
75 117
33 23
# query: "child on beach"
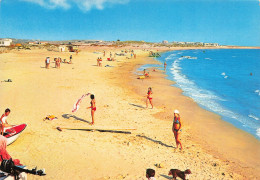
176 128
150 173
3 120
149 97
92 107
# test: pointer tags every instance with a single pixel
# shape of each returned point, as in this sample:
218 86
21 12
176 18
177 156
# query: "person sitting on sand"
149 97
3 120
92 107
3 152
150 173
147 74
176 128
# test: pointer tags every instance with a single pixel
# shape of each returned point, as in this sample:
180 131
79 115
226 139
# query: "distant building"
43 42
63 48
165 42
5 42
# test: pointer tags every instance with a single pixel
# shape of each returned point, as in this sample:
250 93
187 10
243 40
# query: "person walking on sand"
149 97
3 120
92 107
176 128
104 53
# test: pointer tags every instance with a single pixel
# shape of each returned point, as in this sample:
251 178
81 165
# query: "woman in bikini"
149 97
176 128
92 107
3 121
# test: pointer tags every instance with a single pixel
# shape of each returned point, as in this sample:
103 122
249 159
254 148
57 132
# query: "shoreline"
36 92
236 142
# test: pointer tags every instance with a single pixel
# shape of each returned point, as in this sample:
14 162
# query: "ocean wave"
253 117
258 132
170 56
257 92
206 98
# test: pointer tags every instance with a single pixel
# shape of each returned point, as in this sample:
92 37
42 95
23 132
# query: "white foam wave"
208 58
253 116
258 132
170 56
257 92
206 98
223 74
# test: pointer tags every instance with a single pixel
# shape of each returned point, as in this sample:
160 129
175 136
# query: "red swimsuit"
93 108
149 93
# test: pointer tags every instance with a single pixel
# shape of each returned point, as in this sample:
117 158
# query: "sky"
227 22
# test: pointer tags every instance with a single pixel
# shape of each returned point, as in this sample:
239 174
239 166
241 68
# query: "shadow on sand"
136 105
166 177
155 141
67 116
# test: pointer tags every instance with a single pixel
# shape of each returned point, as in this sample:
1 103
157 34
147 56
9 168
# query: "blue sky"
228 22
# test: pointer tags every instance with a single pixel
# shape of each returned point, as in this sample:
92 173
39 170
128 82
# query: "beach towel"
50 117
3 153
76 105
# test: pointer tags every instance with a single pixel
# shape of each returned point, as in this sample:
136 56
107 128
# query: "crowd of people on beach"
57 62
176 126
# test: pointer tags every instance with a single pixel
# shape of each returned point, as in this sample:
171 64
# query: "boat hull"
13 133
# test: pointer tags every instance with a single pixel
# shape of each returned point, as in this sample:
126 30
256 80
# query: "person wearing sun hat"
176 127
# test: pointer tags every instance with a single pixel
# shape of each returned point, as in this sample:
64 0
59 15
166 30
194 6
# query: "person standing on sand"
165 66
149 97
176 128
104 53
70 58
92 107
47 61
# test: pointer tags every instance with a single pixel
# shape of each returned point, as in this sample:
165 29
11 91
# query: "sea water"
224 81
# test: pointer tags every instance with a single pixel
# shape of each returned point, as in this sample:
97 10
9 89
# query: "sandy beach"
213 148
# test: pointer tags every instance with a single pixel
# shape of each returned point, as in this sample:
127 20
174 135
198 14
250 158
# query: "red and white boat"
12 133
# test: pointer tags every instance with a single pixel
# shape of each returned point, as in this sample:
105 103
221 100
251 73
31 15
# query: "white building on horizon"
5 42
165 42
